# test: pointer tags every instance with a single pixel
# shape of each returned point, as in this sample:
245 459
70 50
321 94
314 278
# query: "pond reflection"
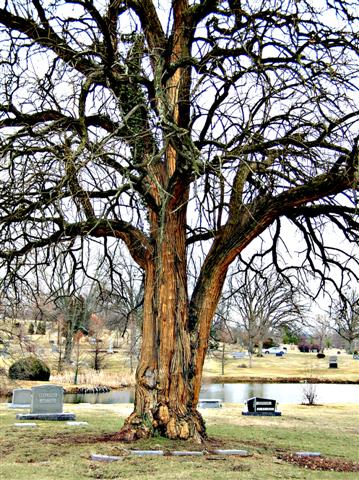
239 393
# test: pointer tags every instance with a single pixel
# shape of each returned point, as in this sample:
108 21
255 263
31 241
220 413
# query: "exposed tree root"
164 422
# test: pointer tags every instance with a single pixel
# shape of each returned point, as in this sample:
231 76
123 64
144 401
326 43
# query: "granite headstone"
261 407
47 404
333 362
47 399
21 398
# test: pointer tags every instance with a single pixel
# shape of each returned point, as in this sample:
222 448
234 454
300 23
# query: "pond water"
240 392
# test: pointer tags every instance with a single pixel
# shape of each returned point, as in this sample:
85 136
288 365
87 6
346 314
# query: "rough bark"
163 398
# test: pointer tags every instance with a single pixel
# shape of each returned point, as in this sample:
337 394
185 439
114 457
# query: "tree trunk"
223 356
250 354
132 340
163 397
68 344
260 348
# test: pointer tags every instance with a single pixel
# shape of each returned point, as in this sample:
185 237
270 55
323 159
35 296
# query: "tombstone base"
209 403
263 414
57 417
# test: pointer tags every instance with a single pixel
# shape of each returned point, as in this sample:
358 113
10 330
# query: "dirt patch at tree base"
90 439
320 463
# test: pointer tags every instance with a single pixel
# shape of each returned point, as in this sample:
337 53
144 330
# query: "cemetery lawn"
292 367
116 373
54 450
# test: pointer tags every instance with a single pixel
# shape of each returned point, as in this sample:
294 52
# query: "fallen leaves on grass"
321 463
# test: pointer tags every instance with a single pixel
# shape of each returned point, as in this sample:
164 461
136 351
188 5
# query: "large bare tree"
207 121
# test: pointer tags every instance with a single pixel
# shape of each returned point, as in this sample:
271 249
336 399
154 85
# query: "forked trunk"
169 373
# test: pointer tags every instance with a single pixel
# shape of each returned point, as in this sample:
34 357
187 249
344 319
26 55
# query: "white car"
275 350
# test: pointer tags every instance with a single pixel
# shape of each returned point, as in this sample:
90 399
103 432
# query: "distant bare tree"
222 331
264 303
96 329
322 330
122 301
345 315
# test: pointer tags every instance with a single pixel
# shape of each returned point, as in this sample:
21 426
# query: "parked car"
275 350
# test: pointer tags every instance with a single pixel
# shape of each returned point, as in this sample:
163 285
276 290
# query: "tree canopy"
204 122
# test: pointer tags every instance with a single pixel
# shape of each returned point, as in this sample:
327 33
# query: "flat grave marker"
308 454
26 425
105 458
241 453
143 453
177 453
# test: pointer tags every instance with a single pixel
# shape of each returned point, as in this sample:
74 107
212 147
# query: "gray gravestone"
47 404
21 398
47 399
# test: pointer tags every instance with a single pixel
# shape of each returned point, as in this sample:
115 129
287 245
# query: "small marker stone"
141 453
30 425
105 458
76 424
308 454
189 453
242 453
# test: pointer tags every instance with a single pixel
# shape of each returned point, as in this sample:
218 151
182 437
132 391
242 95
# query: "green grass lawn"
54 450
